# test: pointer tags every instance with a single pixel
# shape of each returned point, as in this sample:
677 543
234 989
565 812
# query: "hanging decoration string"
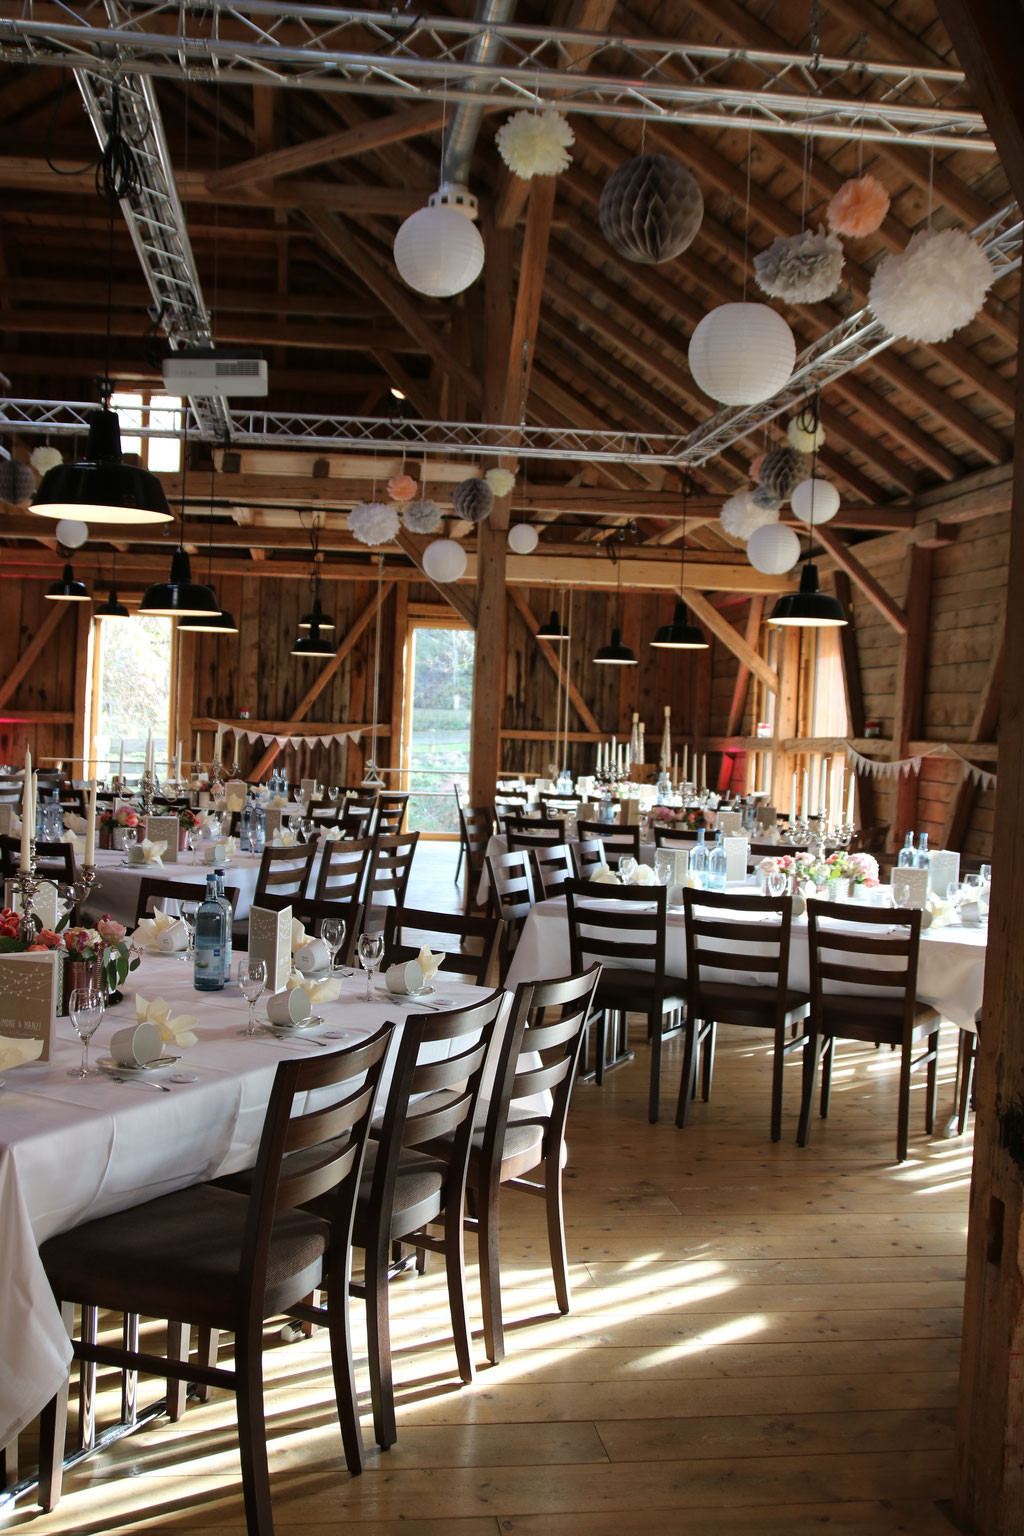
372 775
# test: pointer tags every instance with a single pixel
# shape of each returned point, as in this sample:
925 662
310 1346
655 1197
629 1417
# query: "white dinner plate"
110 1065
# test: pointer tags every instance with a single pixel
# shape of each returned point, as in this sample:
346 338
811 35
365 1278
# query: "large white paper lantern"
71 533
815 501
741 353
523 538
438 250
444 560
773 549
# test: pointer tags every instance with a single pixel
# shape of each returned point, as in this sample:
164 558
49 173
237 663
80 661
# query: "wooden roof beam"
391 128
869 584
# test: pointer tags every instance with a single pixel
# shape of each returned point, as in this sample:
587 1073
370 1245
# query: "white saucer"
404 997
110 1065
313 1022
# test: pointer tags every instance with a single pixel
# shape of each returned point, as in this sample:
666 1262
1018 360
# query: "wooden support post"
488 665
398 662
849 655
910 688
786 714
742 685
83 684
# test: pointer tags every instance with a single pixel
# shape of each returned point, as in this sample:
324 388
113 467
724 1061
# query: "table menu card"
270 939
7 815
767 818
272 821
910 887
29 997
728 822
164 829
736 850
944 871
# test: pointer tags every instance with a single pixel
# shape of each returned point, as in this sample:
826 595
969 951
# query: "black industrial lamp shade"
808 608
111 609
219 623
680 635
67 589
101 488
316 616
179 597
616 654
552 630
312 644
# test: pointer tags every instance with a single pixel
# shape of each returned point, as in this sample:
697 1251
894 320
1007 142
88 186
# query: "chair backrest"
875 950
391 808
342 871
387 873
508 805
476 828
326 813
617 840
53 860
549 804
552 867
548 1020
510 879
284 871
407 929
718 940
587 855
311 913
311 1148
674 836
153 892
533 832
356 820
606 928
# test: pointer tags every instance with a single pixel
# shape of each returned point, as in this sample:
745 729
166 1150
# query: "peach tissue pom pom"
859 207
755 466
402 487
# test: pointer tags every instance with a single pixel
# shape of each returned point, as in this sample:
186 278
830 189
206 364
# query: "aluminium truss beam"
418 57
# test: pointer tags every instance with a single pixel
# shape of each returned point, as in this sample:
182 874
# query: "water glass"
191 841
306 827
333 793
188 917
627 867
371 951
85 1008
776 883
332 931
664 866
129 837
252 979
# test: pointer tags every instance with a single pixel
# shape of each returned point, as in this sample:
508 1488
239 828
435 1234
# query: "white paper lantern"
741 353
523 538
444 560
438 251
773 549
815 501
71 533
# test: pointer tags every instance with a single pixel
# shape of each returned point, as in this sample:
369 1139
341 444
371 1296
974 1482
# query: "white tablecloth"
951 969
117 891
73 1150
499 844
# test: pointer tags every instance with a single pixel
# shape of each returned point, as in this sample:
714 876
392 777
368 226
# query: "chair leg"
378 1332
827 1054
346 1397
455 1274
709 1059
252 1430
458 866
178 1340
53 1425
490 1274
812 1051
655 1094
903 1120
600 1039
207 1346
967 1053
933 1082
556 1227
778 1064
688 1076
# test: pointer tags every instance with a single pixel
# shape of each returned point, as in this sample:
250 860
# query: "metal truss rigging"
417 57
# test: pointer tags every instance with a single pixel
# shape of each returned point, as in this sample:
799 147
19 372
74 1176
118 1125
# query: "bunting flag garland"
890 768
290 737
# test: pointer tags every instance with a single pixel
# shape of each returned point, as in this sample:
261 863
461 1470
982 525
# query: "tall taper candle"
792 798
177 766
849 798
704 771
28 820
120 762
90 825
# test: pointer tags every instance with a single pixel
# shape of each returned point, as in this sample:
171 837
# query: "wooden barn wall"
46 695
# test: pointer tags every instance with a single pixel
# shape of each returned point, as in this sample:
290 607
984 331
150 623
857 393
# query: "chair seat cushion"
732 1003
179 1257
632 990
419 1192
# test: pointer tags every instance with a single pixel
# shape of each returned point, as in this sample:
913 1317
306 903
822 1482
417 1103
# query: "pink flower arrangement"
863 869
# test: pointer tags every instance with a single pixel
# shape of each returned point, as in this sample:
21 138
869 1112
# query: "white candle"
149 750
120 761
805 802
849 799
28 819
218 746
686 762
196 758
838 797
792 798
90 826
675 766
703 771
177 766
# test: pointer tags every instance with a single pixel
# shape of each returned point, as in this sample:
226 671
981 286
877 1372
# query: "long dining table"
73 1149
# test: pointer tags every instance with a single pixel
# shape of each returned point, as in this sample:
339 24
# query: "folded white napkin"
147 934
429 964
284 837
324 991
76 823
299 935
151 853
77 843
602 875
642 875
177 1031
334 834
940 911
279 800
234 802
14 1052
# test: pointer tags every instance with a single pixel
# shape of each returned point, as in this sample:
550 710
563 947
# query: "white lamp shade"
523 539
773 549
741 353
438 251
815 501
70 533
445 559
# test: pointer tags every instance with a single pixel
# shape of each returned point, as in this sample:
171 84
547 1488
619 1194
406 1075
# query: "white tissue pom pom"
741 515
934 287
535 143
422 516
44 458
801 268
805 438
372 522
500 481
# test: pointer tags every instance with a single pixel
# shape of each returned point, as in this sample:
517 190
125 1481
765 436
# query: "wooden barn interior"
289 182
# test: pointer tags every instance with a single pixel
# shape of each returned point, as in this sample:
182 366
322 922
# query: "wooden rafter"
389 129
869 584
28 658
741 686
452 594
707 614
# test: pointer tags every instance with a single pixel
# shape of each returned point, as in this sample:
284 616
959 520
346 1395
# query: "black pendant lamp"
681 635
615 654
312 644
316 616
222 622
67 589
111 609
553 630
809 607
179 597
311 640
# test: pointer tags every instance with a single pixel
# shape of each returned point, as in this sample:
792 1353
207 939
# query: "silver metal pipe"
462 132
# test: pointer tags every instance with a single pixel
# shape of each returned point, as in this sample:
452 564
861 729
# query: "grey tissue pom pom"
801 268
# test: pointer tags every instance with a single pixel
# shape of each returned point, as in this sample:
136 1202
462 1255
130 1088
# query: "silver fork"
138 1082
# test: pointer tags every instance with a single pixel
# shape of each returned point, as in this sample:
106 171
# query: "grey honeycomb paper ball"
17 482
782 470
473 500
650 209
764 499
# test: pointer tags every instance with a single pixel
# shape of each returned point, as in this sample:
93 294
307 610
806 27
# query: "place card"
944 871
910 888
44 903
164 829
767 818
270 939
30 997
272 821
728 822
8 813
736 851
676 860
629 812
307 790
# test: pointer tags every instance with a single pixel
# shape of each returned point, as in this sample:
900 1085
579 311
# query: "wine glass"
189 910
664 864
191 841
252 978
85 1007
332 931
776 882
332 793
129 837
371 951
627 867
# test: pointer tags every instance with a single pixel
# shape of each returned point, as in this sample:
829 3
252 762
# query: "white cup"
403 978
136 854
289 1007
215 854
135 1046
170 940
312 957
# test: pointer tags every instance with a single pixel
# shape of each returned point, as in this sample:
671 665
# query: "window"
828 691
438 712
132 690
144 409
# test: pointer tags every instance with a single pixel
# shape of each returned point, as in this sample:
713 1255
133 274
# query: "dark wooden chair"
326 813
153 892
392 806
966 1061
311 913
718 939
621 932
473 956
342 872
387 873
587 855
617 840
476 828
550 805
533 832
674 837
356 820
510 880
508 805
54 861
881 953
284 872
226 1261
552 869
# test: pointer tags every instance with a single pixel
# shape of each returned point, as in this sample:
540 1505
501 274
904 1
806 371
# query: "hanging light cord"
688 489
118 178
376 660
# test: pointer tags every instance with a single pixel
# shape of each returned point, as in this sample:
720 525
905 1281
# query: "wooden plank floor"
763 1342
